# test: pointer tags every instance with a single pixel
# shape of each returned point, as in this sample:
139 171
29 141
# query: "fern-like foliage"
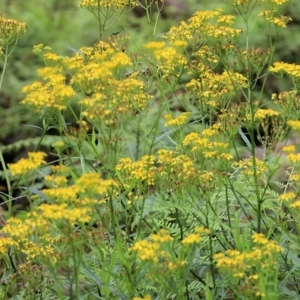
46 142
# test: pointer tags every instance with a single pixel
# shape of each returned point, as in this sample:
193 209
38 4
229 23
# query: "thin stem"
4 66
6 174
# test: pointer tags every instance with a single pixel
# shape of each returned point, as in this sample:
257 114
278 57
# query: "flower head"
25 165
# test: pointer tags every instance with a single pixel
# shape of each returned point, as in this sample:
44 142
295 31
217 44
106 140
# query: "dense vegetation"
149 150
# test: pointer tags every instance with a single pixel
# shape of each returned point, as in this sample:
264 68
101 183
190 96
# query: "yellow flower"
179 43
200 25
259 238
178 121
25 165
276 2
294 124
247 166
191 238
146 297
51 94
146 250
261 114
194 238
56 180
285 68
267 246
106 3
206 177
226 156
295 177
141 170
155 45
22 230
68 193
10 31
227 19
289 149
162 236
294 158
151 250
287 196
169 61
296 204
5 244
63 213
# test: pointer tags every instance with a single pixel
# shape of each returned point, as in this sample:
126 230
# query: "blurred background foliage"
57 23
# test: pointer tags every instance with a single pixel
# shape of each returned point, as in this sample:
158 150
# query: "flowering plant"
159 191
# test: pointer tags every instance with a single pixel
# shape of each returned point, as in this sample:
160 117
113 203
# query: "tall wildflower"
10 31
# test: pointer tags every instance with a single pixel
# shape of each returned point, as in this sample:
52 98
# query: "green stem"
4 67
6 174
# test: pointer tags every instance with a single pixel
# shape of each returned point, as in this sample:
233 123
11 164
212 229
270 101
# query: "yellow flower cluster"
176 166
195 238
59 176
287 100
287 196
34 250
143 170
171 166
10 31
56 180
262 114
90 183
95 72
295 176
151 250
155 45
296 204
178 121
69 205
106 3
63 213
294 157
197 142
276 2
5 244
214 89
146 297
179 43
19 234
212 131
280 21
295 125
54 93
154 251
25 165
246 3
168 60
292 70
110 97
208 149
207 56
22 230
247 167
199 27
263 255
289 149
64 194
95 186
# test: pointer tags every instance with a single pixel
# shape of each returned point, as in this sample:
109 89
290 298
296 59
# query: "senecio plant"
158 190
